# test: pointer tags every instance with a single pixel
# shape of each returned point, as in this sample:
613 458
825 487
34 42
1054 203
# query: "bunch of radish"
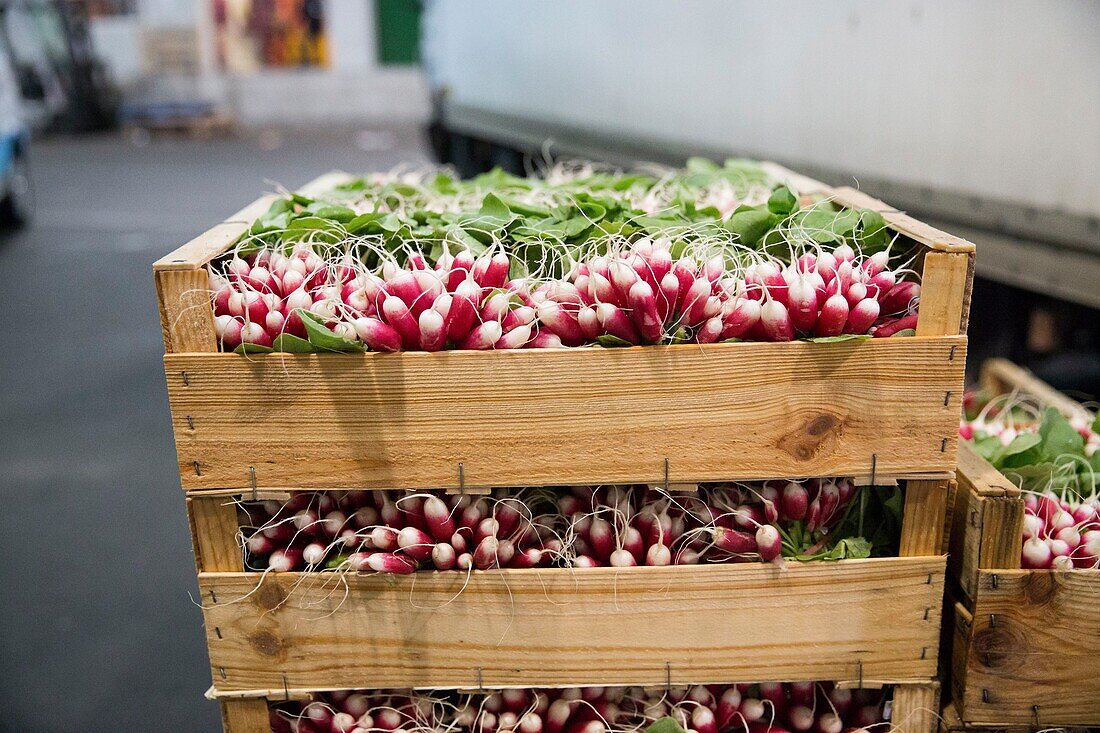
799 707
998 423
460 302
625 526
638 295
1061 534
618 526
390 532
642 296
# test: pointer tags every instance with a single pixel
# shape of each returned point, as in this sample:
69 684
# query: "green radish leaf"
493 207
1059 437
288 343
665 725
322 338
849 548
252 349
732 340
782 201
1020 444
837 339
323 210
870 232
1096 428
610 341
750 226
905 332
336 561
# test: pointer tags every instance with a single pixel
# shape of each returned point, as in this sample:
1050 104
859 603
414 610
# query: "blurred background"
129 126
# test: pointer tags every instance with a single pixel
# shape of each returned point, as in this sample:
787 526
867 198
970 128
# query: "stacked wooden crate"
261 426
1023 643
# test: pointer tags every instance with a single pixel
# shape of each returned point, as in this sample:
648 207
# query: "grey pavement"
99 632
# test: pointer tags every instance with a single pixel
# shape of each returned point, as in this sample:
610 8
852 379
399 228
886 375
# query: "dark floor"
99 632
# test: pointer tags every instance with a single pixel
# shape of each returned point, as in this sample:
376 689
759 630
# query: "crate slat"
186 319
944 274
568 417
214 529
245 715
899 221
988 513
923 523
878 619
915 708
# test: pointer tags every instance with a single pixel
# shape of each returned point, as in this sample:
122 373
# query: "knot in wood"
998 647
816 434
266 643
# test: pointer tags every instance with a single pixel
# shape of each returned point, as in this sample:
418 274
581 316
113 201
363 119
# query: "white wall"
995 98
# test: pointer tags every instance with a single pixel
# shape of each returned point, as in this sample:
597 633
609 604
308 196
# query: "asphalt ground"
100 631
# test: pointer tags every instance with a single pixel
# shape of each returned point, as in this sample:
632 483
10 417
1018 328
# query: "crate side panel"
1029 662
563 627
520 418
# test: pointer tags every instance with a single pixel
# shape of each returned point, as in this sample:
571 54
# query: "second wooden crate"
1023 641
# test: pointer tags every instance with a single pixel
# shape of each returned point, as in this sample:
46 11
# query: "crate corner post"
244 715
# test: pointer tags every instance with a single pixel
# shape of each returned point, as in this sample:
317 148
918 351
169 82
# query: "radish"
776 321
483 336
385 562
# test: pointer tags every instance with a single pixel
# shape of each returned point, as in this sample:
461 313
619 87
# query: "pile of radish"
639 294
767 707
424 262
1057 463
618 526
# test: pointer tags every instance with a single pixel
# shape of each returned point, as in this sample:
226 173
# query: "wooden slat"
567 417
924 517
214 527
217 240
606 626
245 715
988 523
961 621
902 222
1032 656
186 319
1001 376
943 285
915 709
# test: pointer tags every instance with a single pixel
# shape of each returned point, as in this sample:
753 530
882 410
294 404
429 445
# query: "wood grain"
915 708
218 239
606 626
567 417
902 222
245 715
214 527
186 318
944 281
924 518
1032 656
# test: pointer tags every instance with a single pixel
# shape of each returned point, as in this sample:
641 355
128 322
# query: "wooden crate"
875 620
879 410
1019 656
886 408
913 708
